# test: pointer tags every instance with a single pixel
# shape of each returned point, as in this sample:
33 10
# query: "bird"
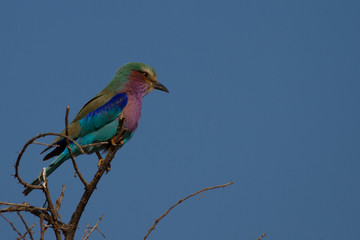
114 110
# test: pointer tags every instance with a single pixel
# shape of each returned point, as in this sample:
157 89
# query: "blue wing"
103 115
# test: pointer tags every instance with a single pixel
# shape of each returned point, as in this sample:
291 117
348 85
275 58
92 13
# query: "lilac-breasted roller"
118 105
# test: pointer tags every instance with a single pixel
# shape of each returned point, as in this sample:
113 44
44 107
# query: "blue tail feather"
51 168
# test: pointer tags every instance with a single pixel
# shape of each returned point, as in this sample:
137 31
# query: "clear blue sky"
263 93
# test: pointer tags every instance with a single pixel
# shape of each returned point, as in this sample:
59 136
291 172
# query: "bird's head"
137 78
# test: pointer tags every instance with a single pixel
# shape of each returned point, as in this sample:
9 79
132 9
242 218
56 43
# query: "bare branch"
15 207
86 184
28 232
85 232
180 201
29 142
261 236
42 227
95 227
100 232
83 146
67 121
59 200
69 148
45 144
26 226
95 144
22 205
11 224
53 219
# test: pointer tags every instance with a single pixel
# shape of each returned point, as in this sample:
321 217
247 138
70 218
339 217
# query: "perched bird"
115 110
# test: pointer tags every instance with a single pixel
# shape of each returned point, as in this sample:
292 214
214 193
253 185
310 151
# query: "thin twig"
95 144
99 156
69 148
26 226
45 144
87 226
86 184
180 201
85 232
43 175
33 210
67 121
83 146
11 224
27 208
24 205
261 236
59 200
54 216
100 232
29 142
28 231
42 227
87 236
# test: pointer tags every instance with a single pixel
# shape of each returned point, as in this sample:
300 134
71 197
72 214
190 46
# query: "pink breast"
132 112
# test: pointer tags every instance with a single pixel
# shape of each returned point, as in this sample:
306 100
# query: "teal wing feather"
99 111
96 102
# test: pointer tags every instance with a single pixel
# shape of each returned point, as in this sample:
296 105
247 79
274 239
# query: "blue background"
263 93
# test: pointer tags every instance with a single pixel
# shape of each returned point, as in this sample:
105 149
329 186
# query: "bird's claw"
108 169
114 144
100 162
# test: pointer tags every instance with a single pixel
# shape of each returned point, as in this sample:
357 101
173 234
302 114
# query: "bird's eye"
145 74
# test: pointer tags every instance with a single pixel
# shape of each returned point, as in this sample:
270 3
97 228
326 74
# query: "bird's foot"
101 162
114 144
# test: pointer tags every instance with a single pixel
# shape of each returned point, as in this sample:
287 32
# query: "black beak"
160 87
